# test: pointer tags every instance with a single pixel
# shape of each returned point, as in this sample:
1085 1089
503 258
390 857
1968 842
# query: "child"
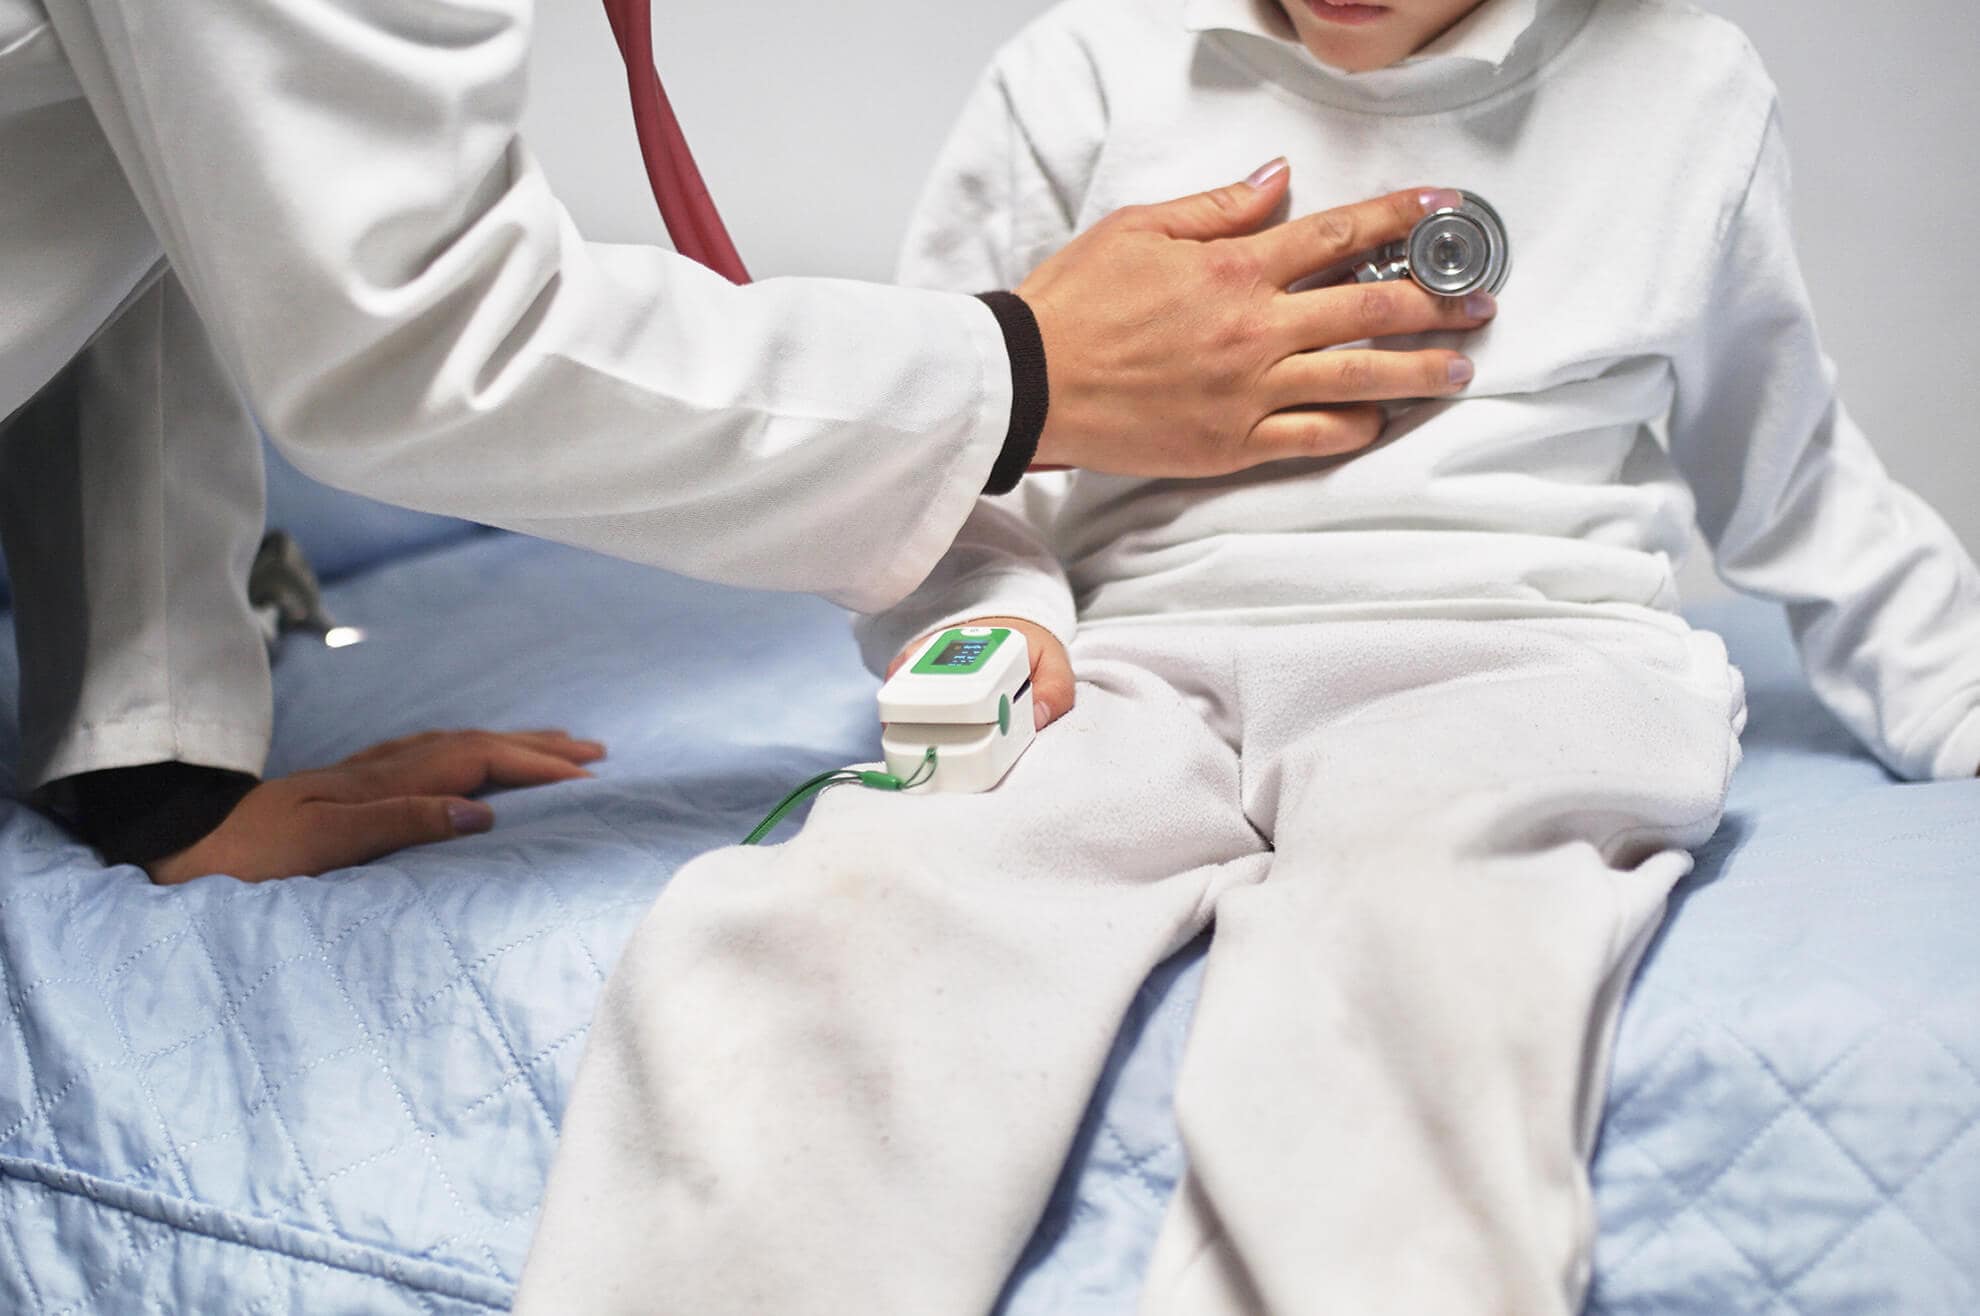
1421 729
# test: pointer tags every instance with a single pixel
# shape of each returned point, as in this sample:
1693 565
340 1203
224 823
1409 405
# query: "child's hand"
1051 669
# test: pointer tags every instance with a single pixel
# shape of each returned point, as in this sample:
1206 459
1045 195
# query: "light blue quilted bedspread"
342 1095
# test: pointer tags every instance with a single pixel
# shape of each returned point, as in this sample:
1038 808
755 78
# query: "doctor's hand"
1051 669
402 793
1173 348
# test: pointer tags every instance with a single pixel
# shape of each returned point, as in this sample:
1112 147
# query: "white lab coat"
327 204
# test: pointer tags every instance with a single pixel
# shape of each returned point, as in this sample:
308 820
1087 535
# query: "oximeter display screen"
961 653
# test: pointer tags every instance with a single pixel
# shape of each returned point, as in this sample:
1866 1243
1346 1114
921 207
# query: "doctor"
320 210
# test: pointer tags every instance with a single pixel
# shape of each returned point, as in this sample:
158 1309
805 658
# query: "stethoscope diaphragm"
1452 252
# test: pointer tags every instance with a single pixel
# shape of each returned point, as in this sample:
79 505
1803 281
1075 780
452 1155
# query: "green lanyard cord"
880 781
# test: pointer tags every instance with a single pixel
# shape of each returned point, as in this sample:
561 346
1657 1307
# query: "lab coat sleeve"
1004 195
1883 600
341 187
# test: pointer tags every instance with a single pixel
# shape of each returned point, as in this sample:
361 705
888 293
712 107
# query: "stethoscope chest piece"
1452 252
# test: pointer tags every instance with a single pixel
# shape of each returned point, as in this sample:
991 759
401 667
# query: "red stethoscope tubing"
691 218
689 212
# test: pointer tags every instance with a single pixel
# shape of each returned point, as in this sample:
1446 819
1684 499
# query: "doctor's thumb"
1222 212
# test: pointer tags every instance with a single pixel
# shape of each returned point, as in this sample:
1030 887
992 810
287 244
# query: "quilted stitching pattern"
1848 1091
373 1062
342 1095
324 1119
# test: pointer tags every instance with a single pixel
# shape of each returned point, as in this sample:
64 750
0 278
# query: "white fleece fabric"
1654 363
840 1074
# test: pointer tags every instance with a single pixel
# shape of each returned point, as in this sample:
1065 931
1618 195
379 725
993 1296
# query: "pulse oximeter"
965 695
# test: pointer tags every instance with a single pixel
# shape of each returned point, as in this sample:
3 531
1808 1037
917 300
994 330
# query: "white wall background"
815 120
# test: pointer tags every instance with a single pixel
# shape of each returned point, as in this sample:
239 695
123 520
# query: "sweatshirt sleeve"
1883 600
1004 195
343 190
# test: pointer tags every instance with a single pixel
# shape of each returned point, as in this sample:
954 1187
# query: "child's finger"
1052 687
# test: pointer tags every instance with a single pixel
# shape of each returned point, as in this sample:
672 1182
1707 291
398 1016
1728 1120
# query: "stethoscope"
689 212
1452 253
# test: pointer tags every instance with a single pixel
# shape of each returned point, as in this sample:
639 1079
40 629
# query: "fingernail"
1439 198
1041 713
1265 173
1462 370
469 817
1481 306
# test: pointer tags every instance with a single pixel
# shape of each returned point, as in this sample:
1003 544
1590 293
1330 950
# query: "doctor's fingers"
552 741
1314 432
1311 244
354 834
1357 312
460 764
1363 375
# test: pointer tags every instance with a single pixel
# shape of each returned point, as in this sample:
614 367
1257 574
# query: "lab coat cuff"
152 737
1958 758
142 814
1031 389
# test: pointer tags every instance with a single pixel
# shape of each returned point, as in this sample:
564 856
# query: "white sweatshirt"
1654 361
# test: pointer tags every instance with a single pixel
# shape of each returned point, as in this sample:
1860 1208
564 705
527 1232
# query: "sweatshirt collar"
1494 46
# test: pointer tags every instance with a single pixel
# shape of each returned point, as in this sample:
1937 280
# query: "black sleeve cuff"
137 815
1031 393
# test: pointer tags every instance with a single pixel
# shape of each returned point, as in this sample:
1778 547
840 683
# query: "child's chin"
1356 50
1348 58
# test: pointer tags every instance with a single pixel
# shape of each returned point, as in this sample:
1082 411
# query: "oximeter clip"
963 696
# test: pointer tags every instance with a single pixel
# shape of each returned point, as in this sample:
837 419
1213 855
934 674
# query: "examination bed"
342 1095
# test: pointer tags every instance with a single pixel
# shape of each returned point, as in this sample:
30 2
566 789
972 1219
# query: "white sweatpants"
840 1075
